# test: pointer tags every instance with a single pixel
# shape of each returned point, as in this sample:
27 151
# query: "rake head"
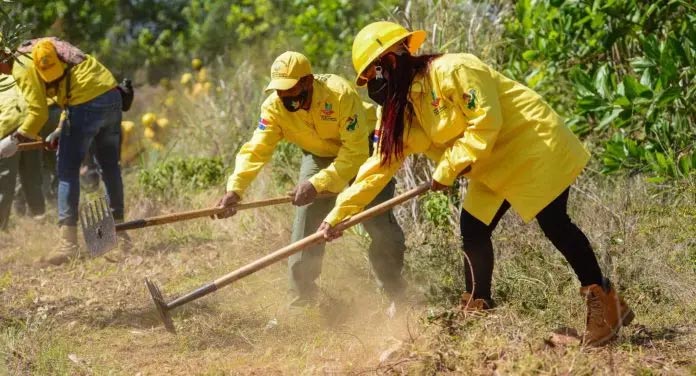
161 305
98 227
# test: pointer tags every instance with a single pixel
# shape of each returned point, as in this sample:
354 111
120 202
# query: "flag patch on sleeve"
263 123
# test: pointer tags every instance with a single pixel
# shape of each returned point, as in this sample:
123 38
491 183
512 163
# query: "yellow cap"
287 69
46 61
378 37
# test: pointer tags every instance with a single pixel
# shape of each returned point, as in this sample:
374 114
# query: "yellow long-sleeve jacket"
334 126
472 120
88 80
12 107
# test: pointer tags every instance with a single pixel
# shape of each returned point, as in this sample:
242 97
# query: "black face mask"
377 87
295 103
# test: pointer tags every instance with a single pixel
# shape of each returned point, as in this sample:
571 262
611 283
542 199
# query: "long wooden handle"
295 247
183 216
30 146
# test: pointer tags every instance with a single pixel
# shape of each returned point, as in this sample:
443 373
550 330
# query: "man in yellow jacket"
474 122
26 165
87 92
324 116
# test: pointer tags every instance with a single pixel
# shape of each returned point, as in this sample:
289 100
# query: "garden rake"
163 307
99 227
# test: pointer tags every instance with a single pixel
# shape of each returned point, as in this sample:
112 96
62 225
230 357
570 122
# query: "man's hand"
229 201
52 140
8 146
330 233
303 194
436 186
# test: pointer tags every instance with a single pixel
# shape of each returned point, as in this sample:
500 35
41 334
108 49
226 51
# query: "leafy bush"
169 178
631 66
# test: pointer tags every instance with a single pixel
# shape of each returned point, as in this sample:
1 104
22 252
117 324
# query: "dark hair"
391 141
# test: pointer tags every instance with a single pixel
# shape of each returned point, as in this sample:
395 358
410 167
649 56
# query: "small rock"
73 358
272 323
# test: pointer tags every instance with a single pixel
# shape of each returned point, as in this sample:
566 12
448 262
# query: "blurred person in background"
87 92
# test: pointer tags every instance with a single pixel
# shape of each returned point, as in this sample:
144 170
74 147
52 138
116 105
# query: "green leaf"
530 55
602 82
668 96
608 118
635 89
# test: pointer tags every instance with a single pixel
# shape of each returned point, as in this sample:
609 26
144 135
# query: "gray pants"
386 251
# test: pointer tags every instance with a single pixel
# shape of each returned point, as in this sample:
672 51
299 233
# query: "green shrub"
171 177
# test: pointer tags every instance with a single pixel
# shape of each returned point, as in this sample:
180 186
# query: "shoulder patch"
352 123
263 123
470 98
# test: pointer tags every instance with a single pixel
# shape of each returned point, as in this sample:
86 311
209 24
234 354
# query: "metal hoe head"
98 227
161 305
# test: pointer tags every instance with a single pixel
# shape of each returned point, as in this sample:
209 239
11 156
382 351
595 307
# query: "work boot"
606 313
308 297
67 248
469 304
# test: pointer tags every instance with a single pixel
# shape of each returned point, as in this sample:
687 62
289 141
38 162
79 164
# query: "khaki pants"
386 251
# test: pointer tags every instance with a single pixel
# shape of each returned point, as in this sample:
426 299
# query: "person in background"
472 121
88 94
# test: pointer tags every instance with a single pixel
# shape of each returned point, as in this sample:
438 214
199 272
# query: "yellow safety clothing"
334 126
88 80
12 107
474 121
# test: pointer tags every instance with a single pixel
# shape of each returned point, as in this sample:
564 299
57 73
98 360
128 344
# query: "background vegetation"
621 71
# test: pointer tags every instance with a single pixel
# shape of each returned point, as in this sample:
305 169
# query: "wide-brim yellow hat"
46 61
287 70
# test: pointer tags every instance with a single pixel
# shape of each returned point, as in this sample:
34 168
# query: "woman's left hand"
436 186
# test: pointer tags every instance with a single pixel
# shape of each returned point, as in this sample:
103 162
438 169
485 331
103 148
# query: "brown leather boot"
606 313
67 248
469 304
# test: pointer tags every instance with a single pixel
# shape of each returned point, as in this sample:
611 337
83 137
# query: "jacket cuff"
444 175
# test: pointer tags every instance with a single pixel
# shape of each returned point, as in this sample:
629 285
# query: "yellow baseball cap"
46 61
287 69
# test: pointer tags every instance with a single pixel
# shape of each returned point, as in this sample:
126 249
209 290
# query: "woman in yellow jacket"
474 122
87 92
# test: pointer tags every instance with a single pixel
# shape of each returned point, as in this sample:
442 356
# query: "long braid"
391 140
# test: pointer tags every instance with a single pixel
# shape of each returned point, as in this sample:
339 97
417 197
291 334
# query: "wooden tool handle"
318 236
183 216
30 145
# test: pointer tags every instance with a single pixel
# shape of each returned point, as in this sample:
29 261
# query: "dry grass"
95 316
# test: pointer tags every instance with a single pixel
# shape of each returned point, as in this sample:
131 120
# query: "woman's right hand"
228 201
330 232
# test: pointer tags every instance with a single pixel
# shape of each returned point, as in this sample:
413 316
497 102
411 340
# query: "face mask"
377 87
295 103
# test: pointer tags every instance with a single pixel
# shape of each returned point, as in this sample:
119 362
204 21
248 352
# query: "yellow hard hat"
196 63
46 61
376 38
186 78
287 69
148 119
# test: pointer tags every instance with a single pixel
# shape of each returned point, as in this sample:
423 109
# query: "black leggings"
557 226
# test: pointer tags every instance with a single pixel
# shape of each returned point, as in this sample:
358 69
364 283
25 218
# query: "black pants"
557 226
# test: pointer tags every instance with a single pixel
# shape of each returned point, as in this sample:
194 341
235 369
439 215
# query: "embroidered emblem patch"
470 98
352 123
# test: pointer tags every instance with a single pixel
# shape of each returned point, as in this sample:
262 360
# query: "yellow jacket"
12 110
335 126
88 80
501 135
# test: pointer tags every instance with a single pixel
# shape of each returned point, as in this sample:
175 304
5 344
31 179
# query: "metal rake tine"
86 215
106 210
